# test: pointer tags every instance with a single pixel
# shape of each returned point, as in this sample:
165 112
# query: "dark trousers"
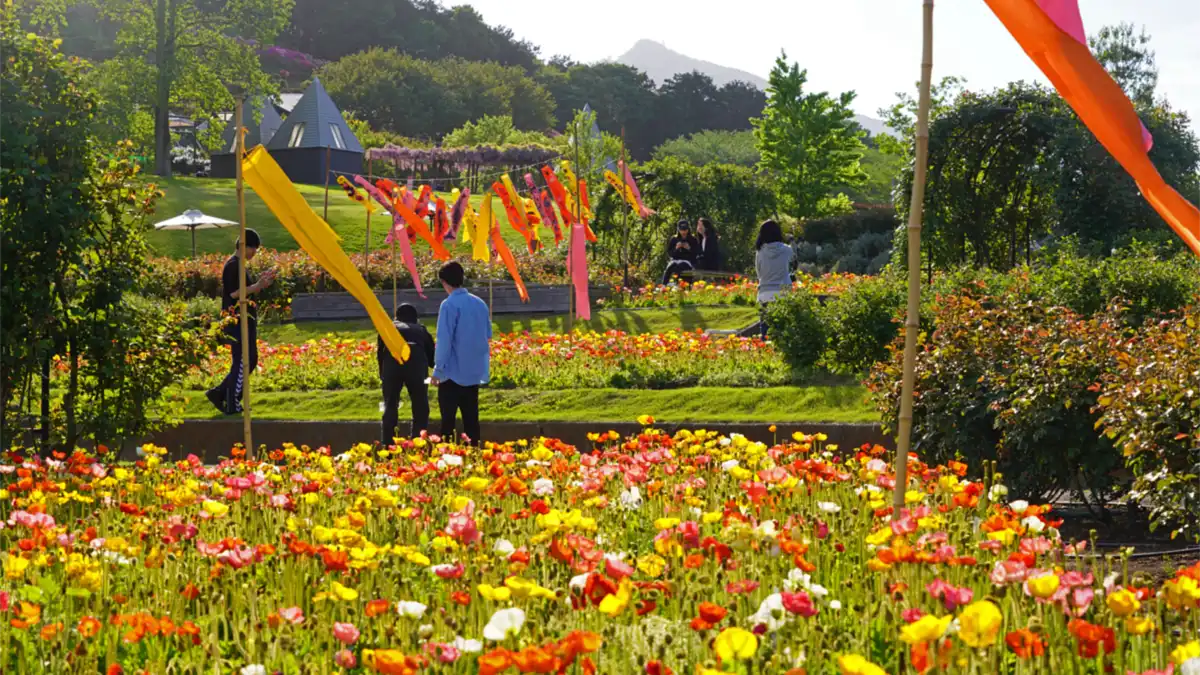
676 268
453 397
418 399
230 389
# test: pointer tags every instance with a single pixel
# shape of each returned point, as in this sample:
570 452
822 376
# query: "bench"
543 299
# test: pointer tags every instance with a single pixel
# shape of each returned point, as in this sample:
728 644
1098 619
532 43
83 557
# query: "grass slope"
630 321
218 197
841 403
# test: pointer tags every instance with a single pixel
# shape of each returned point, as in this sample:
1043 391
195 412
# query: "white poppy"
730 464
254 669
467 646
631 499
503 547
579 582
504 622
1034 524
1019 506
828 507
997 492
543 487
410 609
449 460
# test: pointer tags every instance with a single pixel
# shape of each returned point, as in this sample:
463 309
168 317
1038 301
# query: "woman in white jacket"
773 263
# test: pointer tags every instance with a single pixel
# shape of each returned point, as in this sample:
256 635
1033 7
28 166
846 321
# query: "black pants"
676 268
418 399
230 389
453 397
762 320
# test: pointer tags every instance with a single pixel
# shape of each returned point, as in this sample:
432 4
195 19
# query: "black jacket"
420 346
689 254
710 254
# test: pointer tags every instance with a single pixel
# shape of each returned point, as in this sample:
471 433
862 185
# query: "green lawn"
218 197
630 321
838 403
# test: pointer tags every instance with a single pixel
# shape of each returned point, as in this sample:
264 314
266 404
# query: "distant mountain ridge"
661 63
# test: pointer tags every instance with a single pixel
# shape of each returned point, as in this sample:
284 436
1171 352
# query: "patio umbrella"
193 220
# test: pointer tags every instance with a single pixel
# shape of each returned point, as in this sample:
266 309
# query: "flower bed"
743 293
655 554
576 360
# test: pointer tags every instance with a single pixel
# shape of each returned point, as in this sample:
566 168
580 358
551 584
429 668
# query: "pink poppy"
345 659
292 615
799 603
346 633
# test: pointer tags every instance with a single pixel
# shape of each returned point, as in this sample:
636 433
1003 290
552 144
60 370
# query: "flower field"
653 554
739 293
613 359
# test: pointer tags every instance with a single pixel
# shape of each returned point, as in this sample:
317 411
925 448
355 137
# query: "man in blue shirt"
461 359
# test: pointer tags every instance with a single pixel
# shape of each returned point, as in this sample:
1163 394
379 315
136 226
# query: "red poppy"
1025 643
1091 637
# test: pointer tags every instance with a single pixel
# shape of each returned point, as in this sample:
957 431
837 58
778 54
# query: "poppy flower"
1091 638
735 644
979 624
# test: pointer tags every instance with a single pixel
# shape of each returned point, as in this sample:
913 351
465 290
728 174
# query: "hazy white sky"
870 46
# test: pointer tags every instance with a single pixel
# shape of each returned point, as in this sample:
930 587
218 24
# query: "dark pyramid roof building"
256 134
314 142
315 122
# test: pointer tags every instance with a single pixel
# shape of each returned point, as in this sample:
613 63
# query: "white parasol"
193 220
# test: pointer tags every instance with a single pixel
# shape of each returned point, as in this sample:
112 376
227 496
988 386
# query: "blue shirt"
463 331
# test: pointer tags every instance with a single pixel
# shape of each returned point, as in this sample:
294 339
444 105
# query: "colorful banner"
577 268
314 235
485 218
462 200
1051 33
397 233
354 194
541 201
643 211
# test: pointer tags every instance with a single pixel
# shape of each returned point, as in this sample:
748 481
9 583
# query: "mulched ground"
1156 557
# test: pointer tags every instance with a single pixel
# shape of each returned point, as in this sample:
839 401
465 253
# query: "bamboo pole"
915 212
243 301
325 213
625 211
571 238
367 244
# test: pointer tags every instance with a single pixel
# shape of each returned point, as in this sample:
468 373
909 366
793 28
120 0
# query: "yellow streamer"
483 227
319 240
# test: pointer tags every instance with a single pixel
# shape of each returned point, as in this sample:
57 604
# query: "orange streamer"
1100 103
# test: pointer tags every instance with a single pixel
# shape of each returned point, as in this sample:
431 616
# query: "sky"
870 46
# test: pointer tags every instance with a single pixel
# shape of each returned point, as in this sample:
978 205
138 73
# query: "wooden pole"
625 211
367 245
912 323
243 301
325 214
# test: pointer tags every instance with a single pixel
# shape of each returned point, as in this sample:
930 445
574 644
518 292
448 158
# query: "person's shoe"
217 399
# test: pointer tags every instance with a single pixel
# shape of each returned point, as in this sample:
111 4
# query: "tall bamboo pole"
625 212
367 244
913 322
325 213
243 301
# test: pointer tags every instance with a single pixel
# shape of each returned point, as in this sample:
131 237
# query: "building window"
337 136
297 135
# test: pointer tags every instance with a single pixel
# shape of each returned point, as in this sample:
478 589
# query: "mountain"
661 63
872 125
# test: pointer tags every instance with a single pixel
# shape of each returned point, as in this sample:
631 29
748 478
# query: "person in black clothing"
227 396
710 246
683 250
413 374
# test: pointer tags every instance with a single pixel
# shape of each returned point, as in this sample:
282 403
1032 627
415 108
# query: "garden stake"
240 140
913 322
367 244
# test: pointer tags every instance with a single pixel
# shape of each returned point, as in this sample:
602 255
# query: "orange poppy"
1025 643
375 608
88 626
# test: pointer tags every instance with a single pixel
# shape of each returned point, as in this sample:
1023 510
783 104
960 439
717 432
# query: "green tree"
736 198
497 130
809 142
396 92
1126 56
623 98
186 54
901 117
883 171
712 147
591 155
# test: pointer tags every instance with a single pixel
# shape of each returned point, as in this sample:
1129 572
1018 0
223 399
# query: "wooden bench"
504 300
692 275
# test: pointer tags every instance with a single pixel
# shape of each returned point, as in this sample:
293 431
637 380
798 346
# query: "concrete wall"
211 439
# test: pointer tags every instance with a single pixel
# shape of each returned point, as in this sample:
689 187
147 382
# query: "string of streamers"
398 233
485 215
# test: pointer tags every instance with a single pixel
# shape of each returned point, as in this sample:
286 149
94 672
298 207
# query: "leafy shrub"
844 229
862 321
735 198
1146 285
1151 411
795 325
1011 382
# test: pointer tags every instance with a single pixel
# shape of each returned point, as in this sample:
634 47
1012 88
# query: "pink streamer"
643 212
541 200
577 267
1066 15
457 213
399 232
